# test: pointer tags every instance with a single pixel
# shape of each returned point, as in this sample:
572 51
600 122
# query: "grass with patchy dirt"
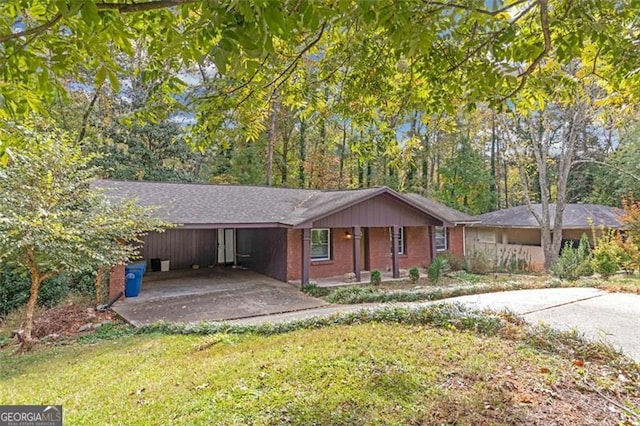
388 369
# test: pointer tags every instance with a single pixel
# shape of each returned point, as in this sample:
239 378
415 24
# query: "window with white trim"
401 245
320 244
441 238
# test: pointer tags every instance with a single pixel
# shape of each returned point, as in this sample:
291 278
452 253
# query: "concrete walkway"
613 318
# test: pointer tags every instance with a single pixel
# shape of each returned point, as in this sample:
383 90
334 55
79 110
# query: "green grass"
386 367
359 374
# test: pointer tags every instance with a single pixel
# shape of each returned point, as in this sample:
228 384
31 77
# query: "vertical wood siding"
183 247
263 250
379 211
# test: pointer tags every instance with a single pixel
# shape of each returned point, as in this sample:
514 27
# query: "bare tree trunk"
271 136
343 151
301 177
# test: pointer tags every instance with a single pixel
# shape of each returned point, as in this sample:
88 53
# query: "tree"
51 221
448 52
466 180
548 137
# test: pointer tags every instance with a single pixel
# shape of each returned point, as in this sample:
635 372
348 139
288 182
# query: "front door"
226 246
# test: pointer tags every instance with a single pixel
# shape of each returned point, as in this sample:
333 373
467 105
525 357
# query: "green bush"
414 274
438 267
605 261
478 262
574 263
315 291
14 289
456 262
567 267
376 277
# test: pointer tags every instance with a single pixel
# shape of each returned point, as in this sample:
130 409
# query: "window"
320 244
441 238
401 245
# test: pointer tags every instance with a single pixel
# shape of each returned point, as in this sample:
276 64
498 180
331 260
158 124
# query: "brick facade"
456 240
116 281
417 252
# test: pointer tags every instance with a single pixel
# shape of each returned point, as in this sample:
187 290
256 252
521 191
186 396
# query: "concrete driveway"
612 318
211 295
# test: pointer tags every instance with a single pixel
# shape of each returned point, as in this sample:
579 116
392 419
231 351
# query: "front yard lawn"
369 373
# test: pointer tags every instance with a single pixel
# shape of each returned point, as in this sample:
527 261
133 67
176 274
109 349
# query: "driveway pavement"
610 317
211 295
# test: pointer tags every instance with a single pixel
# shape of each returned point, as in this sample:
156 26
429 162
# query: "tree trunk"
271 136
98 283
343 150
36 280
301 177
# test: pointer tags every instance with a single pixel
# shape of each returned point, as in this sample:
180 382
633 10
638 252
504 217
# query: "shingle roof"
200 204
440 210
576 216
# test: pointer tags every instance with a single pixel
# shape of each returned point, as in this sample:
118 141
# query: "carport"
259 249
211 294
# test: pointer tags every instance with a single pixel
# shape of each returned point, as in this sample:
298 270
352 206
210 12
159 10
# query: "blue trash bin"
133 279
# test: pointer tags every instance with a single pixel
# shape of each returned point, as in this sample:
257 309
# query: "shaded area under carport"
215 294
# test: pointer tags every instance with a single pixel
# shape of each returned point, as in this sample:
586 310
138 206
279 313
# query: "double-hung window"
401 245
320 244
441 238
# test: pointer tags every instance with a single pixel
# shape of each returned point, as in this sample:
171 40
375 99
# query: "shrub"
315 291
584 253
567 267
414 274
478 262
438 267
605 261
456 262
609 255
14 289
376 277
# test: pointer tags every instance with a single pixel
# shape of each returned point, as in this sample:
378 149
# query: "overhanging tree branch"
544 24
32 31
612 166
143 6
475 9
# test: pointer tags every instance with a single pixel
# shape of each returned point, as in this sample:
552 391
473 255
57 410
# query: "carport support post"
394 250
306 256
356 252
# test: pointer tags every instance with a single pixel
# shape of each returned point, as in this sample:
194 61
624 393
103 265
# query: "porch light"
347 235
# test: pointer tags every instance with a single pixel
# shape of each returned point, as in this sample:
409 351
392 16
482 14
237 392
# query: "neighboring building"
513 234
294 234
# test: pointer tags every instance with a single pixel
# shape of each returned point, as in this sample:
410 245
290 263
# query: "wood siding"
263 250
382 210
183 247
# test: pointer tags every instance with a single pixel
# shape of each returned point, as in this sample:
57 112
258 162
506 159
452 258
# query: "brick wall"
418 252
456 235
116 281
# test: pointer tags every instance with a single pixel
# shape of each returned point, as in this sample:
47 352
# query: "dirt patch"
67 320
528 397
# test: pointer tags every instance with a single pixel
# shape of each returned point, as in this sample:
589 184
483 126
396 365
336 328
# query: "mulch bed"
66 320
